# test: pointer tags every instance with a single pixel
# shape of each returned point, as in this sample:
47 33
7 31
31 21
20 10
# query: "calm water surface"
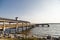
52 30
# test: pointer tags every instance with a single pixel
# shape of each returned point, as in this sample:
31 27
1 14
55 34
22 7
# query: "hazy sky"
36 11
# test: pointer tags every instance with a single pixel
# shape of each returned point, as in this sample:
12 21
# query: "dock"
6 23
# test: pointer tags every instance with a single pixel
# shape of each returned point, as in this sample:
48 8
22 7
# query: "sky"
35 11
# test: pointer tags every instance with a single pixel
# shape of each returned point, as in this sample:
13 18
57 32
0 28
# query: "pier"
6 23
42 25
14 26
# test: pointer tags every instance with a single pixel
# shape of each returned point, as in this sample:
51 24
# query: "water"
53 30
13 30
